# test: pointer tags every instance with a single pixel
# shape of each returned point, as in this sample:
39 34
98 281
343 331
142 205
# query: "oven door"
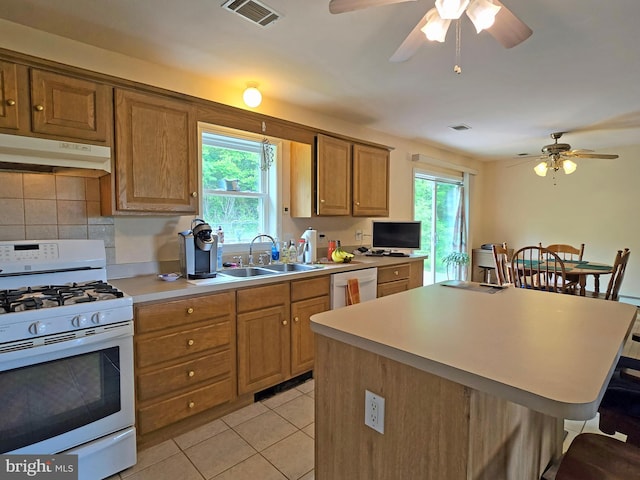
61 395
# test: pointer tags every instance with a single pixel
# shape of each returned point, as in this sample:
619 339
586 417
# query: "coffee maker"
198 250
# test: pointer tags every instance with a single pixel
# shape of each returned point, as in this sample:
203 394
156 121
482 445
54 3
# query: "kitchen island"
476 381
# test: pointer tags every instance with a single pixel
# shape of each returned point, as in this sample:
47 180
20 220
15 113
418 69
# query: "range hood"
29 154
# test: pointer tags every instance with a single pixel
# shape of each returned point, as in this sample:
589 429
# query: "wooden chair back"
619 267
566 252
501 259
538 269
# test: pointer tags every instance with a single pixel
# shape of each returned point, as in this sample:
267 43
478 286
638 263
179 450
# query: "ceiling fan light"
541 169
451 9
482 13
436 28
569 166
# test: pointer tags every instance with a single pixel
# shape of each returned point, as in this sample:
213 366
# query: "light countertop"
146 288
550 352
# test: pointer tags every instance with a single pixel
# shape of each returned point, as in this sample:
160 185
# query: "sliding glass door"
439 204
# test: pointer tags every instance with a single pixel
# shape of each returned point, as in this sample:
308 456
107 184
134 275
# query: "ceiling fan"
558 156
507 29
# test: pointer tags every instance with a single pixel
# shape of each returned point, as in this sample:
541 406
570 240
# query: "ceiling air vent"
254 11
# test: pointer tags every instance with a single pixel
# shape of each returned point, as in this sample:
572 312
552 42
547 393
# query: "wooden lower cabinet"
263 336
398 278
184 358
275 341
263 353
308 297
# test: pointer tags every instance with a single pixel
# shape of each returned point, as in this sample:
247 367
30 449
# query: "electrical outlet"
359 235
374 411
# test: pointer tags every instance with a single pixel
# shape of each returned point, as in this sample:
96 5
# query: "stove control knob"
79 321
98 318
37 328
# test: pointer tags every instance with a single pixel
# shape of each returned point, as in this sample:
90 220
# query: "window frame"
269 180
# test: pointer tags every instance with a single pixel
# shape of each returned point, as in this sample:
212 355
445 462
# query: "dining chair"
568 254
538 269
619 410
592 456
619 269
501 260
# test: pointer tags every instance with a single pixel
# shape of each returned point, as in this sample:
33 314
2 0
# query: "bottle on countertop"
284 252
220 235
275 253
293 252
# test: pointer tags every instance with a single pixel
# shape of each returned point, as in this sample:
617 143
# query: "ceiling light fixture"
436 27
252 97
481 12
555 163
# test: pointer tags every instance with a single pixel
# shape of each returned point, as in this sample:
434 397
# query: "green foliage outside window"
446 199
240 213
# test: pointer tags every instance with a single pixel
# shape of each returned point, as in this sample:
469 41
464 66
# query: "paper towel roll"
311 237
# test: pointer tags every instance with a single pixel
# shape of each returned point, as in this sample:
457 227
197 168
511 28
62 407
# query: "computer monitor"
396 235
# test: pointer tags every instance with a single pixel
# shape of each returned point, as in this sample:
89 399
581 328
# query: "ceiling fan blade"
605 156
508 29
342 6
411 44
580 150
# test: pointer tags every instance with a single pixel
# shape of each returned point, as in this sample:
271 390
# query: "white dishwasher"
367 283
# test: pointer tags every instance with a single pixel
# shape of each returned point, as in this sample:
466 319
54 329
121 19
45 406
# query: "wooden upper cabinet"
333 170
8 95
156 162
69 107
370 181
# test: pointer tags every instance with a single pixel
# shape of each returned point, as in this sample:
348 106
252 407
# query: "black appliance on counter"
198 250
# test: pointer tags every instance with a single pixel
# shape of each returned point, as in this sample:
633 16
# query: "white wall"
150 239
597 205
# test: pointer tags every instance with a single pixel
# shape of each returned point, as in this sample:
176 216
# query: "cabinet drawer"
393 273
390 288
155 350
314 287
182 406
257 298
154 384
157 316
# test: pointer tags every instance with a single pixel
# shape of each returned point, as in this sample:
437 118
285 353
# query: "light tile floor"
267 440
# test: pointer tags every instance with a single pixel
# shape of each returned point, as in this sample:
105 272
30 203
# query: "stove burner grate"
47 296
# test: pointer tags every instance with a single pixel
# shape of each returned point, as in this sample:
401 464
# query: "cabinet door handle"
191 342
322 200
192 404
296 319
357 204
39 108
191 373
194 194
190 310
284 322
395 272
11 102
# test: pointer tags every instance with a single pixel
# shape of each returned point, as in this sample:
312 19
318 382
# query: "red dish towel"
353 291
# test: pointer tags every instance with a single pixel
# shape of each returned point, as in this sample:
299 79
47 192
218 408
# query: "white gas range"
66 356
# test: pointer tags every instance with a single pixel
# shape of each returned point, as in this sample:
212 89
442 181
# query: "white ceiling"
579 72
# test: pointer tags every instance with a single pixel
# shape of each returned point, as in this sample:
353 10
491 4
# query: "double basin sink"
275 269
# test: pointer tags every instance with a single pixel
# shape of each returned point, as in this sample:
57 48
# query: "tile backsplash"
36 206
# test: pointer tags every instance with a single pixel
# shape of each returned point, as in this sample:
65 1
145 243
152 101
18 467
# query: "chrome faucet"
253 240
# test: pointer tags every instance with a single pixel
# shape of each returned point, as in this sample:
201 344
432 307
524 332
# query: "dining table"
580 269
